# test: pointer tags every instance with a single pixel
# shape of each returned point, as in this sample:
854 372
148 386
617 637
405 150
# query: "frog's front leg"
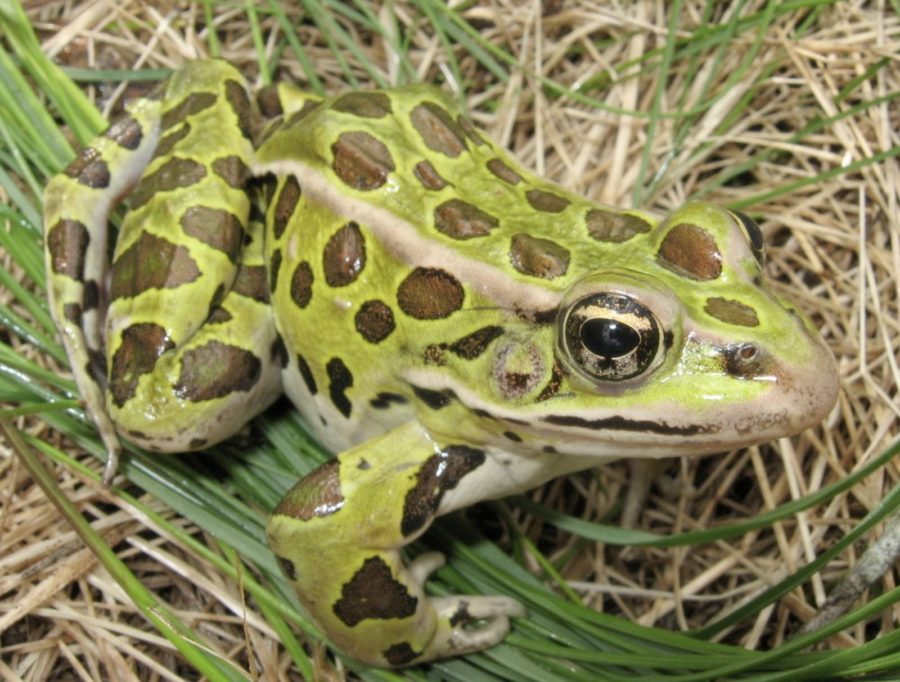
338 535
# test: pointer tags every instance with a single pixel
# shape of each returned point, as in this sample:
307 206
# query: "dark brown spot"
317 494
609 226
438 130
691 250
504 172
140 348
373 592
513 436
175 173
384 400
548 202
151 262
90 297
374 321
470 130
400 654
428 176
67 244
269 101
307 375
89 169
126 132
215 371
219 316
232 170
538 257
197 443
236 95
364 104
461 220
190 105
435 354
274 269
215 227
340 379
287 567
278 352
301 284
166 144
429 294
436 400
72 312
732 312
361 161
250 281
472 345
438 474
284 207
344 256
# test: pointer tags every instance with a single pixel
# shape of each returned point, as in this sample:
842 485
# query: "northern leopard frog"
454 327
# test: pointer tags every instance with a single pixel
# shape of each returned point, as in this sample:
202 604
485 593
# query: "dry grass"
834 248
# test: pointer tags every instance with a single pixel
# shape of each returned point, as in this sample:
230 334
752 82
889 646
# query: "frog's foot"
464 624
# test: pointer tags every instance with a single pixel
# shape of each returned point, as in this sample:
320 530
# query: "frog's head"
675 346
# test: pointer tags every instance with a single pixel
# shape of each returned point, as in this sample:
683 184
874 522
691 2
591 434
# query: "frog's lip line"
408 244
628 430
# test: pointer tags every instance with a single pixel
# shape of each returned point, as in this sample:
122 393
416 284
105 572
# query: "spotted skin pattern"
454 327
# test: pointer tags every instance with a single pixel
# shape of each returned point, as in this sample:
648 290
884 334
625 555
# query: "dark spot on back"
190 105
364 104
344 256
609 226
284 207
361 161
429 294
461 220
173 174
301 284
438 130
307 375
374 321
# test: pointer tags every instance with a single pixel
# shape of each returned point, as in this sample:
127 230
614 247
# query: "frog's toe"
467 624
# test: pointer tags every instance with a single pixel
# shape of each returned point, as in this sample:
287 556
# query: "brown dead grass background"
834 248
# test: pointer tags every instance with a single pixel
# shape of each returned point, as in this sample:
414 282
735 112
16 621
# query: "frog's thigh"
338 535
173 398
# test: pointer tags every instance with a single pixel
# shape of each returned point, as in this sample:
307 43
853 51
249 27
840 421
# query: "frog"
454 327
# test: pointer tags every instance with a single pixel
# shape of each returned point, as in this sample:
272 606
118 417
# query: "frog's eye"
754 236
611 337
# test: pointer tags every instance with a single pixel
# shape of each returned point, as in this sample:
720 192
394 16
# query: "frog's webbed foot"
465 624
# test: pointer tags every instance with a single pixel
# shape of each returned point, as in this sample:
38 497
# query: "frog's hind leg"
77 203
191 349
338 535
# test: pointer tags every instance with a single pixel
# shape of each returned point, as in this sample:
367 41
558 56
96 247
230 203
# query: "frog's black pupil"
608 338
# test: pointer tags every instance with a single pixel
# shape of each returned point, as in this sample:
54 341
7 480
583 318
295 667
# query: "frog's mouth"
779 400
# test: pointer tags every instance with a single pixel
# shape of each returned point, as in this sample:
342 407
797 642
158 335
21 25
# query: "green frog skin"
455 328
